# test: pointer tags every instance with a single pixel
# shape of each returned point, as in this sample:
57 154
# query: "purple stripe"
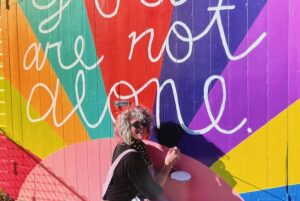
294 51
262 84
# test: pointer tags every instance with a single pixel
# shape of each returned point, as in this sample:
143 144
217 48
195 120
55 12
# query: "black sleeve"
139 176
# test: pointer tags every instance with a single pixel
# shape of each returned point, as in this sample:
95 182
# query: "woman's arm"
162 176
172 157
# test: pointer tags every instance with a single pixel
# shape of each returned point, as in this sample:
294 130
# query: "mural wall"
221 77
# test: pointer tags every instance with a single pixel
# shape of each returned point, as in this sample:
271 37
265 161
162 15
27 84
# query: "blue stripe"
285 193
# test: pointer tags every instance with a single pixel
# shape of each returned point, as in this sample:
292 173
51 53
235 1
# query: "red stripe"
111 40
16 163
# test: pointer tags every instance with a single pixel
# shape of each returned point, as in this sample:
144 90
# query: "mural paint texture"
221 77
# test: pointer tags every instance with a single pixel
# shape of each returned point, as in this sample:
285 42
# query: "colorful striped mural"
221 78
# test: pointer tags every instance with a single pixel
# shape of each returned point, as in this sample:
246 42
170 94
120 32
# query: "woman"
134 176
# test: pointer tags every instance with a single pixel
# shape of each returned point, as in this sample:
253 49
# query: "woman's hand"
172 156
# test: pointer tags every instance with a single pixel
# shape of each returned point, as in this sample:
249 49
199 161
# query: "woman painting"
133 176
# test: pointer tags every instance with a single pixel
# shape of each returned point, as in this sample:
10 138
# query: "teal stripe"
74 23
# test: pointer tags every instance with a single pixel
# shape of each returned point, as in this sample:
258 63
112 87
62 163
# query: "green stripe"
74 22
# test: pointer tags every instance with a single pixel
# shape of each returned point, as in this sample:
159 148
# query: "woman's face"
139 129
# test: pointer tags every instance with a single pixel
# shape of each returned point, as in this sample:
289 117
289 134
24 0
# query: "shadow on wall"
196 146
171 134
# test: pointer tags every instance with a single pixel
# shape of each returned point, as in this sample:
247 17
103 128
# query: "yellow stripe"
294 144
260 161
39 138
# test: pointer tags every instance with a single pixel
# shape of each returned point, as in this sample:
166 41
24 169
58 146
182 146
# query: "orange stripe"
19 36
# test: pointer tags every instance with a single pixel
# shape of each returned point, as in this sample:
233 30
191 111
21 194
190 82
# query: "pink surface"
78 172
204 184
74 173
